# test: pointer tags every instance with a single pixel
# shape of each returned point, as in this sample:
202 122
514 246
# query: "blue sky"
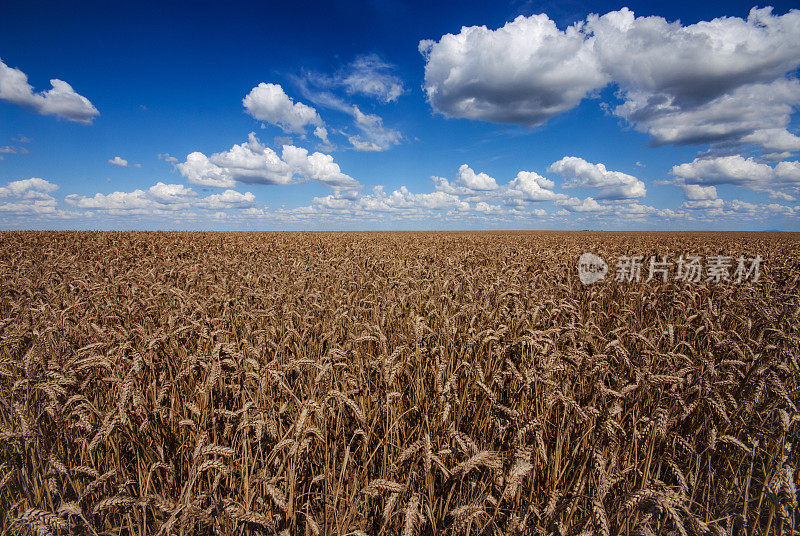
390 115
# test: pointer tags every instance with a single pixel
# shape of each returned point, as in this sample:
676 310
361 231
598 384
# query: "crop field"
395 383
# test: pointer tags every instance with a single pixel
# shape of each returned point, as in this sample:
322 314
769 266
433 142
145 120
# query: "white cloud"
374 136
116 201
227 200
610 184
118 161
322 134
33 188
779 180
367 75
473 181
441 184
728 81
268 102
371 76
486 208
695 192
60 100
252 162
747 115
523 73
573 204
171 193
161 199
360 144
530 186
31 197
168 158
317 166
400 200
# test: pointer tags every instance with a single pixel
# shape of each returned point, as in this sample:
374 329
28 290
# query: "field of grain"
393 383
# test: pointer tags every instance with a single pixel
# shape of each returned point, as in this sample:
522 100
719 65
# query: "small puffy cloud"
695 192
441 184
475 181
523 73
268 102
322 134
168 158
118 161
171 193
611 184
369 75
573 204
198 169
317 166
227 200
253 162
249 162
486 208
60 100
531 186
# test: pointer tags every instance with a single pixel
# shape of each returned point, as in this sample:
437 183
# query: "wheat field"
393 383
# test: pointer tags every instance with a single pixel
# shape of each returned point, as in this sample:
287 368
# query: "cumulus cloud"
60 100
317 166
737 170
695 192
531 186
523 73
171 193
162 199
29 196
322 134
574 204
475 181
253 162
755 114
610 184
402 200
227 200
118 161
268 102
727 81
